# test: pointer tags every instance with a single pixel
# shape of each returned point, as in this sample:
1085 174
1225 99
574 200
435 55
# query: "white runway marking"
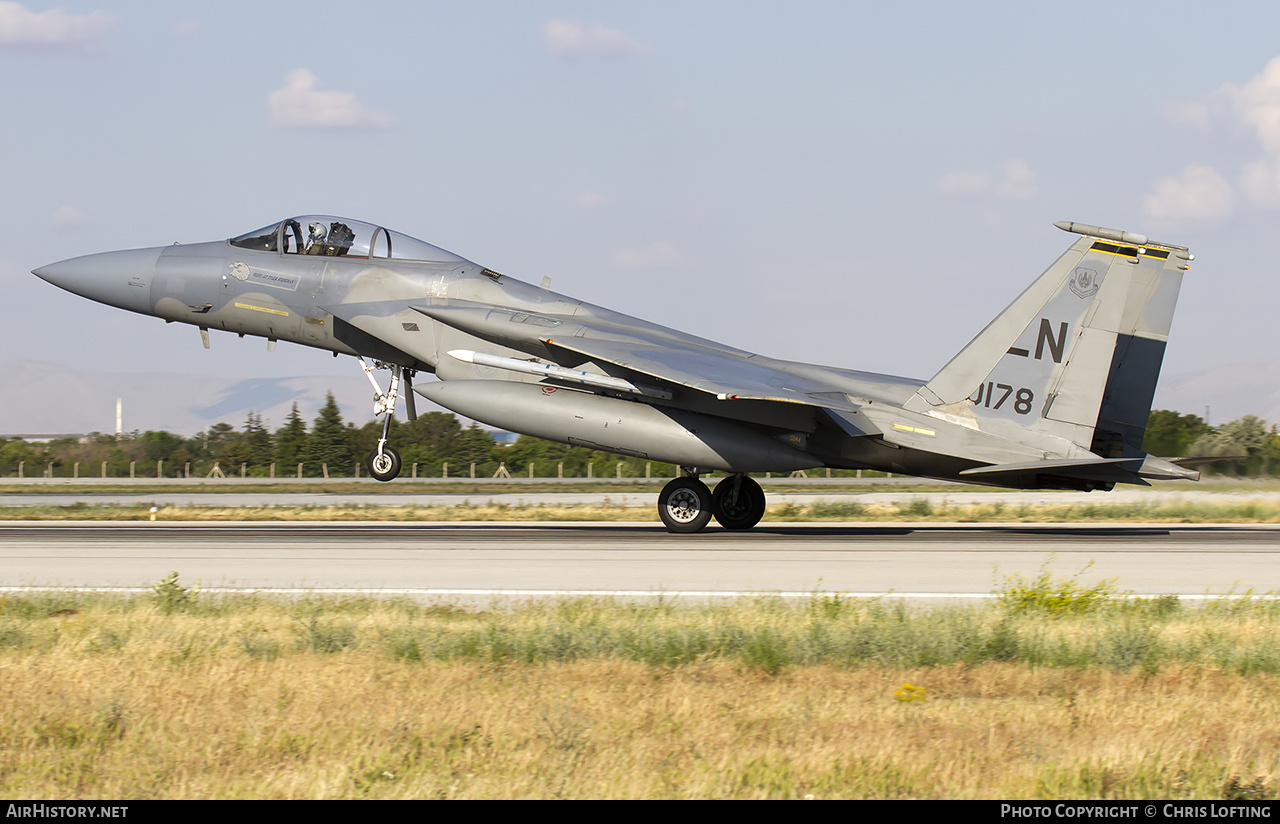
532 560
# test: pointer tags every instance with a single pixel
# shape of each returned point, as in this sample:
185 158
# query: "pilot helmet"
318 231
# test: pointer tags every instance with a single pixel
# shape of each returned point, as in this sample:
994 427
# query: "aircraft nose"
120 279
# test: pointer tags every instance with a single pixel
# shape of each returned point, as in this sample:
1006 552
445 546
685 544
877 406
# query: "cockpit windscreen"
339 237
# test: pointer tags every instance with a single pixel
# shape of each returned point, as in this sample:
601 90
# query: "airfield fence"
207 471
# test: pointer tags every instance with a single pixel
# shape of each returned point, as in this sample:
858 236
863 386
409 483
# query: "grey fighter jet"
1054 393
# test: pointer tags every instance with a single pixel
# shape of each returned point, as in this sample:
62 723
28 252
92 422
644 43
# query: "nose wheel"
384 465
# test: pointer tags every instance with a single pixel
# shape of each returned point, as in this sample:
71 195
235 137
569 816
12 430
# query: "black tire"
685 505
743 513
384 467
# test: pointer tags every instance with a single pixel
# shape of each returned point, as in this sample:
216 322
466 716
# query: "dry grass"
908 509
324 727
114 698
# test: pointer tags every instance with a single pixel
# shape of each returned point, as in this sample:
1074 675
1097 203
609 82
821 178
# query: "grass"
908 510
1055 690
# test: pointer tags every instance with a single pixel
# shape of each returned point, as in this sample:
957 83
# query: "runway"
636 560
795 495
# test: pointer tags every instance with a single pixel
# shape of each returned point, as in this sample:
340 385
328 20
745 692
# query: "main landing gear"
384 462
687 505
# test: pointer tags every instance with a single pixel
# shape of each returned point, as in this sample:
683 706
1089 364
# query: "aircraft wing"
645 350
727 376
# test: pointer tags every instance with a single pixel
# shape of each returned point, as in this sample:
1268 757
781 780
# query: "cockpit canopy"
339 237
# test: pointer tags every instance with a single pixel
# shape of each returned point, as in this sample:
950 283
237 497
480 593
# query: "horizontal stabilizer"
1072 467
1204 459
1069 473
1126 470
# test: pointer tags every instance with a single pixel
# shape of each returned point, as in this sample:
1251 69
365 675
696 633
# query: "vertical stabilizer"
1072 363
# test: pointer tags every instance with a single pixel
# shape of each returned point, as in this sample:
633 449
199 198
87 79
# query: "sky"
863 185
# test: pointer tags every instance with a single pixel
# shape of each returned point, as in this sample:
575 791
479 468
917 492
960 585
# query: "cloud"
965 183
1015 181
1200 194
1195 113
592 200
1257 104
302 104
659 253
55 28
68 217
1260 182
570 39
1204 194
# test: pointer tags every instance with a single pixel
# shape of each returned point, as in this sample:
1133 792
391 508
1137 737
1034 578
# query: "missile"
622 426
1117 235
558 373
1120 236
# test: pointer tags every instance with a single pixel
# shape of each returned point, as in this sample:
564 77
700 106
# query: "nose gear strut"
384 462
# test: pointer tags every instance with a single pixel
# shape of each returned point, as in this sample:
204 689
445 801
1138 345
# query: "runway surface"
471 559
1008 497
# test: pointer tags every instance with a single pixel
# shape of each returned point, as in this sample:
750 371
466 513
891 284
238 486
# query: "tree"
257 441
1169 434
429 440
291 440
160 446
14 451
329 442
1246 438
473 445
435 433
1250 432
250 447
1271 453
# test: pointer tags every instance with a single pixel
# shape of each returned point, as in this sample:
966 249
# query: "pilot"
315 241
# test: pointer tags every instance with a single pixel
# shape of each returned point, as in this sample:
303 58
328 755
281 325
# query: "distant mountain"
1230 392
46 398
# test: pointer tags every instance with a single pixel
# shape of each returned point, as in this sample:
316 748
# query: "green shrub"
1048 595
171 596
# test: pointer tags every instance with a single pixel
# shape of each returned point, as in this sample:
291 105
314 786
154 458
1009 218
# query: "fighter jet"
1054 393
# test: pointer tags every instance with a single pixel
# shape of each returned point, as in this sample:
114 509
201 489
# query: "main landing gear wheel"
739 511
384 465
685 505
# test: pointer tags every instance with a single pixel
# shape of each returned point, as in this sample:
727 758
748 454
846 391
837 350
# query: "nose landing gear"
384 462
